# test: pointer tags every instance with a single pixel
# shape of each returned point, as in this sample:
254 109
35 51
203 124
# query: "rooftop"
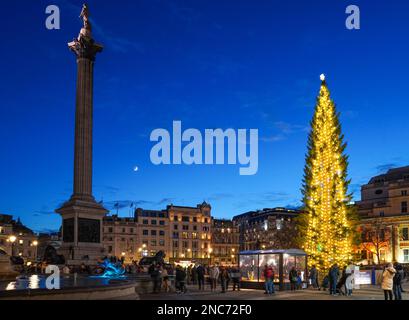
267 212
392 175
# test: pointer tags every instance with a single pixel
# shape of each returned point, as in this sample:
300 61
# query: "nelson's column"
82 215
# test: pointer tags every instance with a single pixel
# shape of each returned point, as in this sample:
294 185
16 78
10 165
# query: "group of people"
160 275
339 282
223 276
194 275
392 278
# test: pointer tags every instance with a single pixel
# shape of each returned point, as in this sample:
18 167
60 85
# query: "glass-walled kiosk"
252 264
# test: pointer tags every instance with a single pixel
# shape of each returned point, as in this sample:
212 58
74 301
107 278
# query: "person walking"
235 276
387 281
293 277
155 276
188 274
194 275
401 271
200 273
325 283
228 278
265 279
397 283
165 280
341 283
171 278
349 281
214 274
180 280
313 277
224 277
333 279
268 279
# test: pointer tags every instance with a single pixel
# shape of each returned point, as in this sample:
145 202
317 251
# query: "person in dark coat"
397 283
293 277
341 283
235 276
200 274
224 278
333 279
180 280
313 276
155 276
194 275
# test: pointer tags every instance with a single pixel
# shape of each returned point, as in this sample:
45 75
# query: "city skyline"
183 69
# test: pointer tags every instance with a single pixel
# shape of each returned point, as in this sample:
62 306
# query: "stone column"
82 216
85 50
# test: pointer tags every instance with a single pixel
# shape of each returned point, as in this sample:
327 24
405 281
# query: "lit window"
405 234
406 255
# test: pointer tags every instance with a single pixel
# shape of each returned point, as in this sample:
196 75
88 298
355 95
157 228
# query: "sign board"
362 278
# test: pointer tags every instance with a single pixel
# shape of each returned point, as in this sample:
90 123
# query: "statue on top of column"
85 17
84 45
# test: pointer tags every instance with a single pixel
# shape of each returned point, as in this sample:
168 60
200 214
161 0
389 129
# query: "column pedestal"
82 232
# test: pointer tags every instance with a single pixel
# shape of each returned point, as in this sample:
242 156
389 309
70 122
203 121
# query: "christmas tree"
326 228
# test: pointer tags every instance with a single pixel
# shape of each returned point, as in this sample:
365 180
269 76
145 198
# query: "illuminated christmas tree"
326 228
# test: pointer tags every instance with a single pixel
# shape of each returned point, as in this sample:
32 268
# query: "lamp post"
35 244
233 255
12 240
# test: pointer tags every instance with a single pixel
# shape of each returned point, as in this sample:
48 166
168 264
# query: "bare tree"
375 238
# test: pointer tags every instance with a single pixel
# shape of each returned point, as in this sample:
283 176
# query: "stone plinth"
82 232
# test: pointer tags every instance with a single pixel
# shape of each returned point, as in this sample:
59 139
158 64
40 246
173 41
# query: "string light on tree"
326 228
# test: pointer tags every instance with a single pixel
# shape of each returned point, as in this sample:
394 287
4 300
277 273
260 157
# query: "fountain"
111 270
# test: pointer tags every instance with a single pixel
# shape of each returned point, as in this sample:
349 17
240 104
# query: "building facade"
182 233
16 239
225 242
384 218
267 229
191 233
120 237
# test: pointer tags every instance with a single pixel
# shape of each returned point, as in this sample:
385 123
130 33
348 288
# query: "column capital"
85 47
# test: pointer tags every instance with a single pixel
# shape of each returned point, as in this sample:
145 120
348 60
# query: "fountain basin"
80 288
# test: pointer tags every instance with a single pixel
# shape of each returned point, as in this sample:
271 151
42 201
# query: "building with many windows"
267 229
153 232
183 233
383 211
225 242
16 239
120 237
190 231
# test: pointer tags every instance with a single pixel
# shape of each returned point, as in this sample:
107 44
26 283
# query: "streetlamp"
12 240
35 244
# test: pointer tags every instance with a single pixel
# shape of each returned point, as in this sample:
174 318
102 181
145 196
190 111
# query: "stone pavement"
367 293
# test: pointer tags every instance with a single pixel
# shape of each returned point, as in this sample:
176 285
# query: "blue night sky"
211 64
